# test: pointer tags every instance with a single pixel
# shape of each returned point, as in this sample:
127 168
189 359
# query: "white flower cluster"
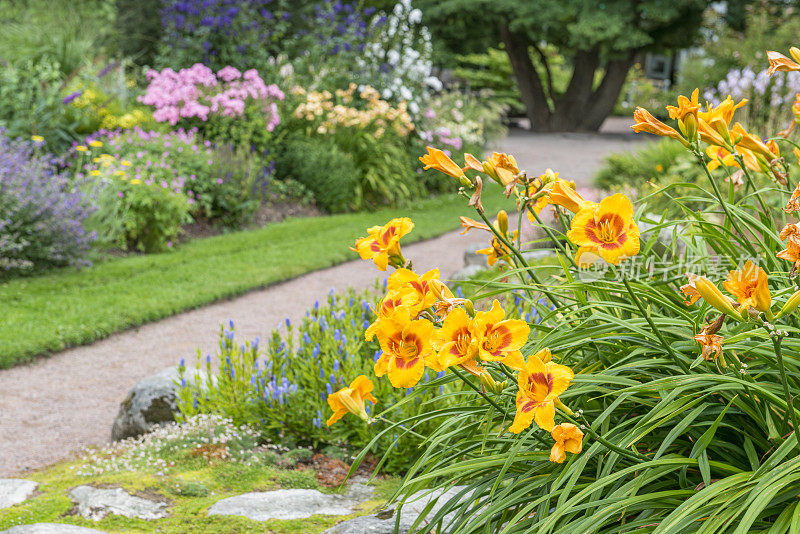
746 83
207 436
399 59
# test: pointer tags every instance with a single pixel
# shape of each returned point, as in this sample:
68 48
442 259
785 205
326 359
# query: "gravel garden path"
60 404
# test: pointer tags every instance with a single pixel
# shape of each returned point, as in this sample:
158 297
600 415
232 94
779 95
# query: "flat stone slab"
50 528
15 490
384 523
96 504
291 503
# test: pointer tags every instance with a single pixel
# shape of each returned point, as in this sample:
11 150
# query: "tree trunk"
530 85
581 107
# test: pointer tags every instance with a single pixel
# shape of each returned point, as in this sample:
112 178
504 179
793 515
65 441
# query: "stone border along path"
68 401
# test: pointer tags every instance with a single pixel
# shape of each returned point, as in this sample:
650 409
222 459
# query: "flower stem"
776 344
656 331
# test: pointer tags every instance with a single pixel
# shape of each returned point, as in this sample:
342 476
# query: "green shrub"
491 70
153 216
329 173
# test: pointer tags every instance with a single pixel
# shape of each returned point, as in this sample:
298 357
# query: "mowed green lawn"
77 306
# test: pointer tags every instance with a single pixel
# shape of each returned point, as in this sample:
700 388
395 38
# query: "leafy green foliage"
329 173
491 70
281 387
152 216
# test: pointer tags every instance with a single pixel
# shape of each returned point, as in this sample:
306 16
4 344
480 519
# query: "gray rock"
15 490
539 254
151 402
50 528
468 272
291 503
471 257
96 504
384 523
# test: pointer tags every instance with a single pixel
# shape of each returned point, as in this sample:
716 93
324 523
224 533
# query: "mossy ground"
190 489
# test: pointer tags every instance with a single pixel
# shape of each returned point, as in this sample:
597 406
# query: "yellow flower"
456 344
562 193
406 346
501 167
721 156
500 339
119 173
37 139
645 122
686 115
95 143
779 62
81 148
95 172
569 438
751 142
382 245
714 122
791 252
136 181
659 168
540 384
125 163
392 301
438 160
468 224
711 344
418 289
351 399
605 230
497 250
750 287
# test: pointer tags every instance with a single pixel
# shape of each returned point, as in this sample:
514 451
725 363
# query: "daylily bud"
714 296
689 128
469 307
561 406
502 222
489 169
489 383
795 53
790 305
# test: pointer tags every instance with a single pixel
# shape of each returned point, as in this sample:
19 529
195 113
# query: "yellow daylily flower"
496 251
351 399
714 122
750 287
751 142
701 287
605 230
420 290
472 162
722 156
81 148
382 244
500 339
645 122
438 160
568 438
456 343
392 301
686 115
406 346
501 167
95 143
540 384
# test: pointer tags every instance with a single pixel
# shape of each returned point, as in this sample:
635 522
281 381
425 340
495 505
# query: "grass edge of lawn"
438 215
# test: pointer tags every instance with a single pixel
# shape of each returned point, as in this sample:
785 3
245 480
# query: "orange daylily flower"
794 201
456 344
382 245
406 346
500 339
540 384
751 142
714 122
351 399
569 438
791 252
645 122
497 250
605 230
750 287
471 162
779 62
392 301
711 344
791 232
438 160
501 167
560 193
468 224
420 288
